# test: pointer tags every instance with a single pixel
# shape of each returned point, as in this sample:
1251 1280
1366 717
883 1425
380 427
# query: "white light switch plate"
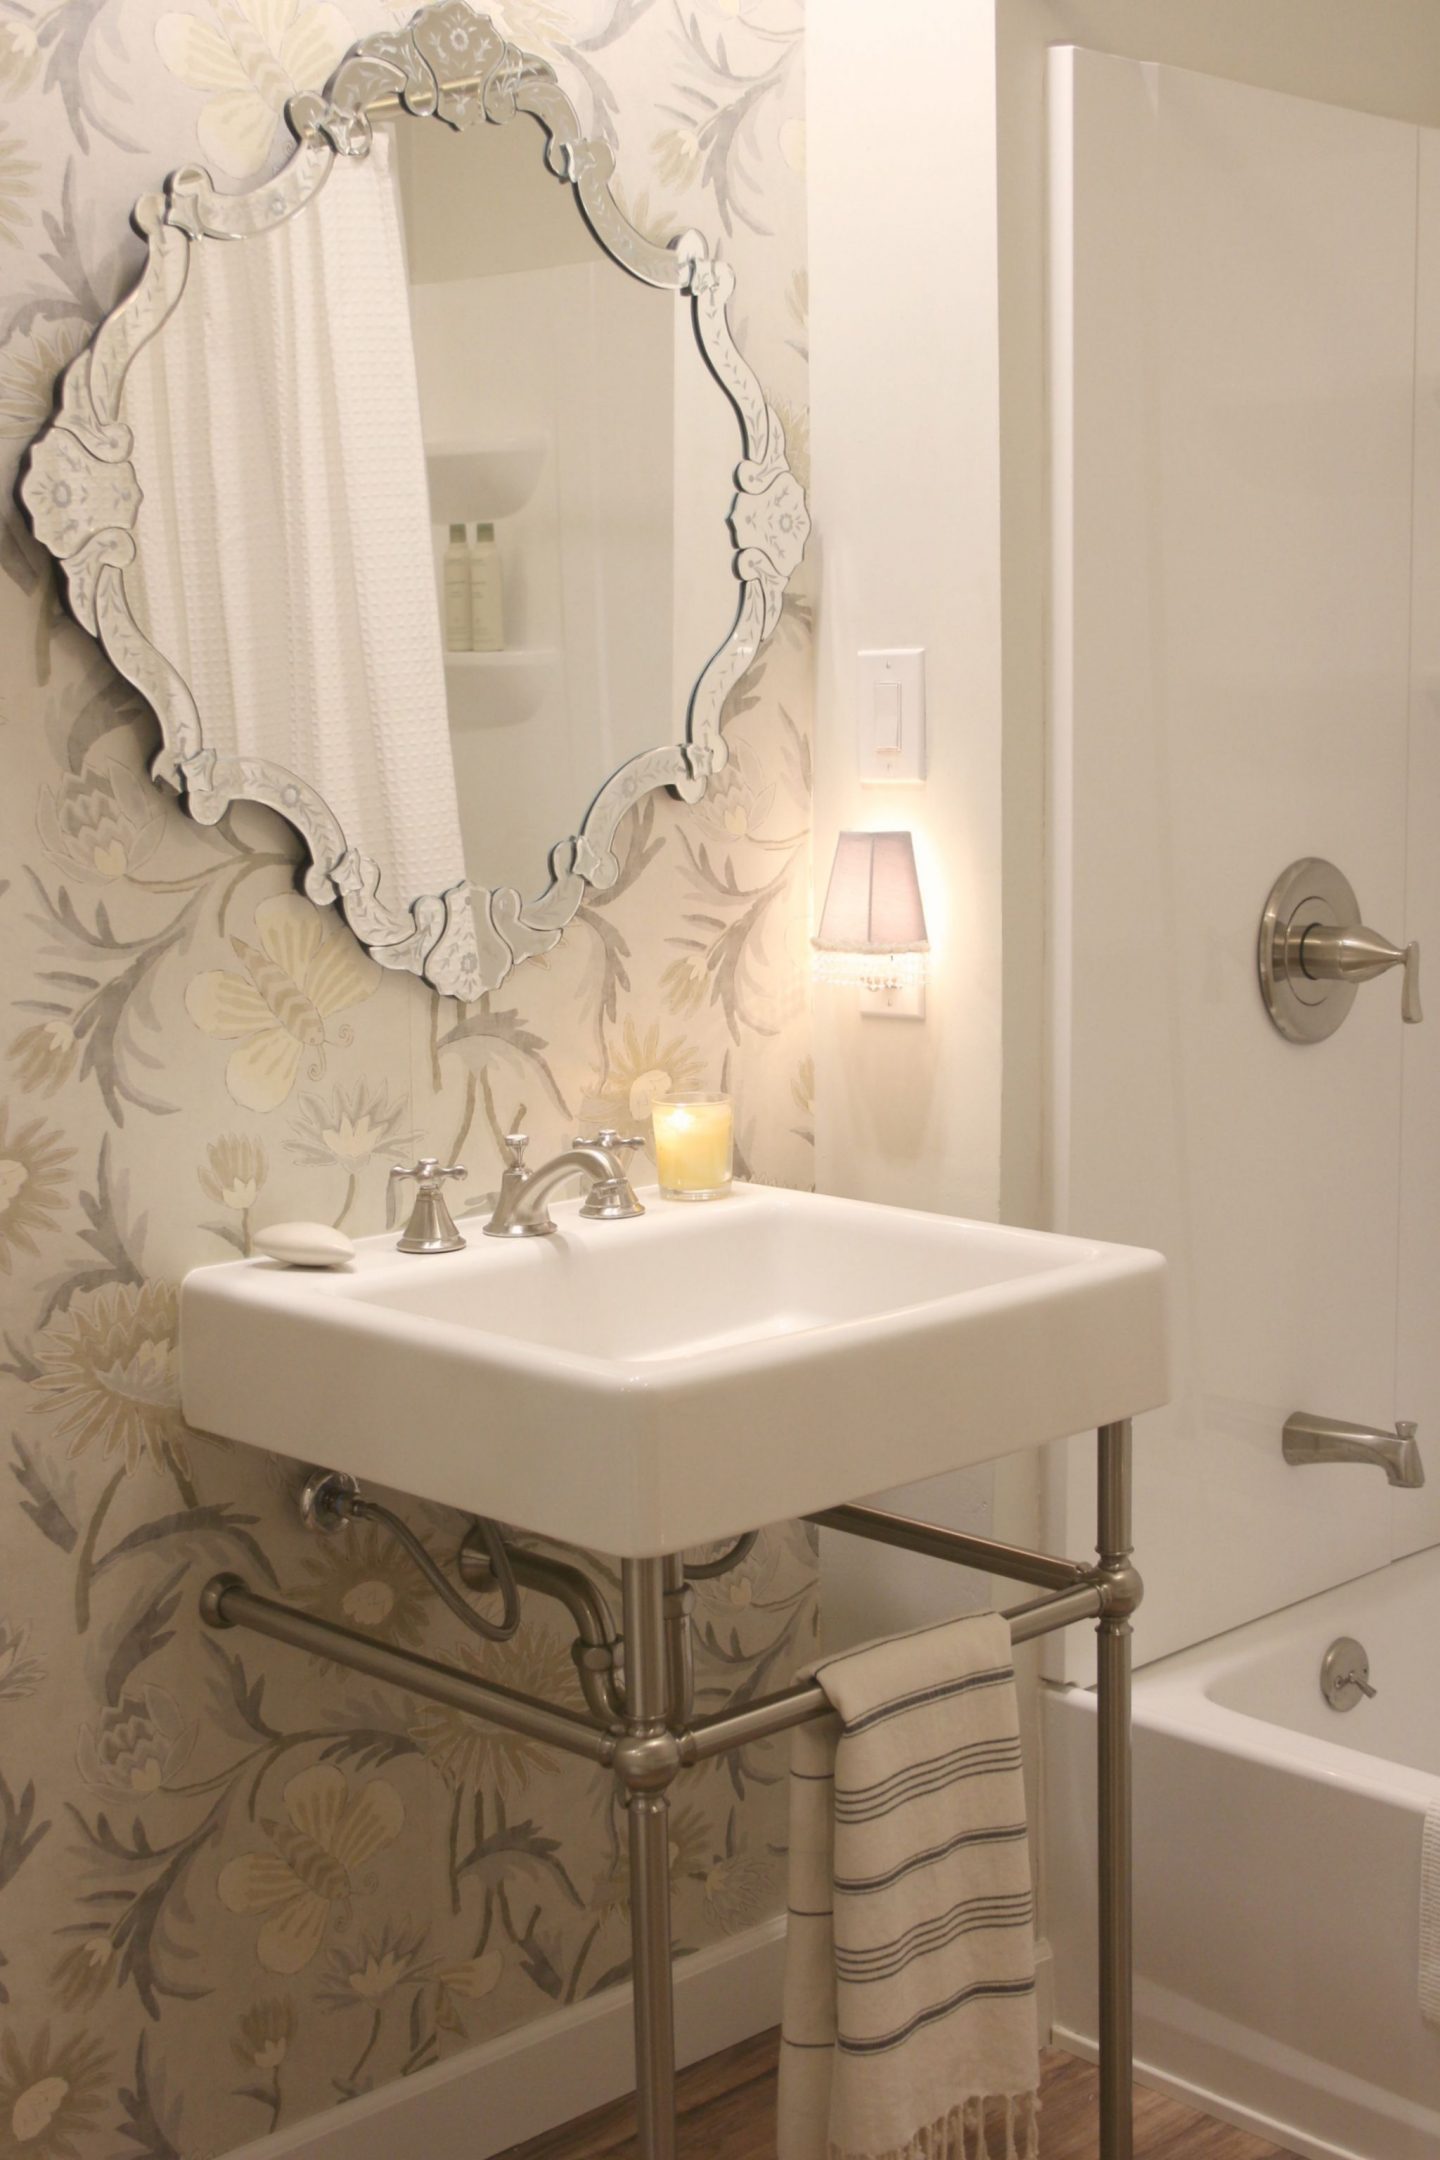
891 705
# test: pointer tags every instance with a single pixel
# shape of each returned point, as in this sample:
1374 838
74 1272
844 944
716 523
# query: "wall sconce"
872 927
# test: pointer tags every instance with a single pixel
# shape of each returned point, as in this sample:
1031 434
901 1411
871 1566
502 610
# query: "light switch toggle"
892 714
889 728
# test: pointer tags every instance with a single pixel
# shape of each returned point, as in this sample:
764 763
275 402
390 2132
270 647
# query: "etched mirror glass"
417 512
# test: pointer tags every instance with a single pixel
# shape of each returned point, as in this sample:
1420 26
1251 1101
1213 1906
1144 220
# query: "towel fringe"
968 2132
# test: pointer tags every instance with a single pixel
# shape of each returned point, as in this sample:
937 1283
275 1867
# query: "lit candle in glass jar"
694 1145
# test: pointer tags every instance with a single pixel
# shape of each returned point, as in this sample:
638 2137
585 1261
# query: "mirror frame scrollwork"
82 495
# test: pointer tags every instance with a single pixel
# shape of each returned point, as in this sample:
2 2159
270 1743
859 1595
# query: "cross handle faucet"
431 1228
520 1209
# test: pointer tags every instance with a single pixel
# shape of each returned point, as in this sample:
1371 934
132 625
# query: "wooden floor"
727 2112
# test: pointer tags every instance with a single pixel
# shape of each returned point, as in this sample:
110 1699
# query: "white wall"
905 420
906 498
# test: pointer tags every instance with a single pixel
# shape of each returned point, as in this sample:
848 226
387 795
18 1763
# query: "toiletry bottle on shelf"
458 604
487 606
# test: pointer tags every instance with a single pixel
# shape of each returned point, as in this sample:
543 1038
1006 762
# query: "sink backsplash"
187 1051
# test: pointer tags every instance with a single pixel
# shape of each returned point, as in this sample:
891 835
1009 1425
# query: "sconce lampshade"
873 903
872 927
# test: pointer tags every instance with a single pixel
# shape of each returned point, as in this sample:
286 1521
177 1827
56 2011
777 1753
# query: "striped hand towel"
909 2020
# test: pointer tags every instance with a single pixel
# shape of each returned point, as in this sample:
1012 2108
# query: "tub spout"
1310 1439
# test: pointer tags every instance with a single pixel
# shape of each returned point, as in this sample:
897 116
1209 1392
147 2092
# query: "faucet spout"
1404 1467
1311 1439
520 1209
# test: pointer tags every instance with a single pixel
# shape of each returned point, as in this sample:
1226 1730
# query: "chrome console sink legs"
642 1726
647 1762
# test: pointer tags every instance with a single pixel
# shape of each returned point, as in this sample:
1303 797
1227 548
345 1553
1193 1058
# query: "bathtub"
1277 1873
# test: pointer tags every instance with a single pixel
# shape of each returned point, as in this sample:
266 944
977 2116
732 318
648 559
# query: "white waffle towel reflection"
1430 1918
909 2029
296 590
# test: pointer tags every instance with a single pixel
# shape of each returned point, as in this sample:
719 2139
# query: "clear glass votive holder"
694 1145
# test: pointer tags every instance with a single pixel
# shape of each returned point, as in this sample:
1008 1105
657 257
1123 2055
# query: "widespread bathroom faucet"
520 1209
1310 1439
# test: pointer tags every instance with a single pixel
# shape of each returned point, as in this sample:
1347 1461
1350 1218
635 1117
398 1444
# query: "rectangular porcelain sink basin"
641 1387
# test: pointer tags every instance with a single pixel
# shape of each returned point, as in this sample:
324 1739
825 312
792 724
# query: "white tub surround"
1246 483
1278 1873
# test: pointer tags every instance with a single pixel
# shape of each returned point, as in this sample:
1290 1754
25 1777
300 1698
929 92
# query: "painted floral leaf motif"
17 185
254 56
353 1127
372 1969
82 1973
108 1375
20 1672
19 56
464 1749
101 823
326 1837
29 364
734 805
137 1746
44 1056
264 2035
233 1172
738 1889
646 1066
300 976
475 1979
366 1580
34 1180
51 2092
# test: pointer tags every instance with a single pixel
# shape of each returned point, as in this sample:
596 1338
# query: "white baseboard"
478 2104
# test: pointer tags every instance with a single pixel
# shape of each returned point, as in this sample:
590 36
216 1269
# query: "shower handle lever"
1323 953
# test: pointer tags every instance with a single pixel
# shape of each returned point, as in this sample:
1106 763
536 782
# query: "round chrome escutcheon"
1311 891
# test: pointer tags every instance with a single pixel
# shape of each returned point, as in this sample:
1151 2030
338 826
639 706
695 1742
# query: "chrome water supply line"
330 1499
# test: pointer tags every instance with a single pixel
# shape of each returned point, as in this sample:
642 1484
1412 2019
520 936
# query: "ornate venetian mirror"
255 470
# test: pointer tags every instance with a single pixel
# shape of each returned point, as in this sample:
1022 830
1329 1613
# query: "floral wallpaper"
236 1887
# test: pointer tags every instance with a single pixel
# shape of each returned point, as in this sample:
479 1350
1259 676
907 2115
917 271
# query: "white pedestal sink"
641 1387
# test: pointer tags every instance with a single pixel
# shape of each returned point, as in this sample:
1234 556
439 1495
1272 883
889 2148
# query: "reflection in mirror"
417 513
563 405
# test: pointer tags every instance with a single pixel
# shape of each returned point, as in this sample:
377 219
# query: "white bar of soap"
305 1244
